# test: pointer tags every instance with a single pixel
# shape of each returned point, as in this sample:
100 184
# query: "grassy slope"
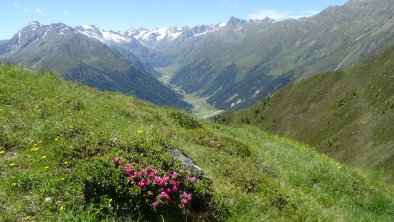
280 180
347 115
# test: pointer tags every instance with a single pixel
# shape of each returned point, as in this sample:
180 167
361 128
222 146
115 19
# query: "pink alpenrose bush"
159 189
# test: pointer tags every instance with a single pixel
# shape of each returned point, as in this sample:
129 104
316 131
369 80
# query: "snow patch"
255 93
232 97
102 35
222 24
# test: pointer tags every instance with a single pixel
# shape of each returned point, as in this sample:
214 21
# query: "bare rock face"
186 162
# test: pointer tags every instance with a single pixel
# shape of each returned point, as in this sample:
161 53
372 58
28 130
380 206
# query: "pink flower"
168 190
118 161
191 179
155 204
164 195
159 181
140 184
174 175
174 189
175 183
129 170
186 196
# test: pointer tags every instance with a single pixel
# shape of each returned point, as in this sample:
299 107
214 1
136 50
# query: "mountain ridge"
76 57
345 114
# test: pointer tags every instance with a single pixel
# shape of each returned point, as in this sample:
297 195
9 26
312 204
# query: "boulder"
186 162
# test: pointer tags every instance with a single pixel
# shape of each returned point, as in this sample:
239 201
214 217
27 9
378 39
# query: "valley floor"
201 108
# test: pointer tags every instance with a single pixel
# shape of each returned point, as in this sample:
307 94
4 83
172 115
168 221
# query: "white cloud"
65 13
39 11
279 14
25 10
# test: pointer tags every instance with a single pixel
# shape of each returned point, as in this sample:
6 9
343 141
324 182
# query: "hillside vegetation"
63 148
348 115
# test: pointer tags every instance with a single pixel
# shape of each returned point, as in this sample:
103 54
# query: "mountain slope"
56 137
266 52
127 46
346 114
76 57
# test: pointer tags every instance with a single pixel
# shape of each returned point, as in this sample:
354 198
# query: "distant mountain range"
74 56
239 62
233 64
345 114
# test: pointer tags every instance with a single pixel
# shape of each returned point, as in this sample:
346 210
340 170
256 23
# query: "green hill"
63 150
348 115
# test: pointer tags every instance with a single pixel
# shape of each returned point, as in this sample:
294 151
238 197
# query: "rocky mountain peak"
34 24
235 21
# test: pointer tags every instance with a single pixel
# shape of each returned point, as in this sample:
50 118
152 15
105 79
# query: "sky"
120 15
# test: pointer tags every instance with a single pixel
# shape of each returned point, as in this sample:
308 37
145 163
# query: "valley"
201 107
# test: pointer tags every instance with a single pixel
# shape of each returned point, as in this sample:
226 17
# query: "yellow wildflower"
61 208
43 157
36 107
2 152
12 164
70 126
65 162
139 131
34 149
47 167
110 200
62 178
27 217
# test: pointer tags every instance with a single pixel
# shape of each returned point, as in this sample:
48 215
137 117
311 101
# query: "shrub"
162 189
185 120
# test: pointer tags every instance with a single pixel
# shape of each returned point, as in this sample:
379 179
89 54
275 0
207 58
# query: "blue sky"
119 15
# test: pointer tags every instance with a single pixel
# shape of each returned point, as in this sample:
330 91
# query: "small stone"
48 199
187 163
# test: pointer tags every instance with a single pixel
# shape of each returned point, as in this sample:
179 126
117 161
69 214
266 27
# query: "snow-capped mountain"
104 36
155 36
147 36
84 59
35 32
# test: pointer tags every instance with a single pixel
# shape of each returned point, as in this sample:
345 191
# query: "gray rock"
186 162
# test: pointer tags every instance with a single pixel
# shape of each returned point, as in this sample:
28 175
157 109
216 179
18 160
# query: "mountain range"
232 64
74 56
238 62
347 115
